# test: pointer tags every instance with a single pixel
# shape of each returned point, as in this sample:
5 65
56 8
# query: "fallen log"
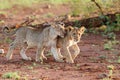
93 21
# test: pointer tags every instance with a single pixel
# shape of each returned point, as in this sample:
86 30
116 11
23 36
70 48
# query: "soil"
90 64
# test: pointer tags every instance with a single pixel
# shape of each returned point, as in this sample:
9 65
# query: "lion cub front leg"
76 51
67 55
56 54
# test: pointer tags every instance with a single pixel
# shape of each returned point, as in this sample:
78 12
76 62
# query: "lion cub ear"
82 29
69 29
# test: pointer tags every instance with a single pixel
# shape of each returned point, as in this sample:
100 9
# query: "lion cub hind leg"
23 55
76 51
10 51
59 53
58 57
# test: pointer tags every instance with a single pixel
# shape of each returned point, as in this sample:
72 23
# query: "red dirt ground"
90 64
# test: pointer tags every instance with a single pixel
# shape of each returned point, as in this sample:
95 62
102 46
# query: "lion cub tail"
9 31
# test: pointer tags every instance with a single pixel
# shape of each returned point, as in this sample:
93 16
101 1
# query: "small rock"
2 51
103 75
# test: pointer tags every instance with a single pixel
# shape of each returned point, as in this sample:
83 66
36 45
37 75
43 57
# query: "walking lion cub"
71 38
27 37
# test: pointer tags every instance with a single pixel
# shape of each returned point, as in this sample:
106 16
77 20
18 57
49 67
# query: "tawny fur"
72 37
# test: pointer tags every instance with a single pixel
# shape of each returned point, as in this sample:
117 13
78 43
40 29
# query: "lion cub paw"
39 60
44 57
8 57
27 59
69 61
60 60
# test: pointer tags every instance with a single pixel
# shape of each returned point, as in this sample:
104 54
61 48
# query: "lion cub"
27 37
71 38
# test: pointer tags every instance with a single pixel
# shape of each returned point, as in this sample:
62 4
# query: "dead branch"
98 6
27 22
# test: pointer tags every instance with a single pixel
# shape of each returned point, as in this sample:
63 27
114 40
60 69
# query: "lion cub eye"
73 33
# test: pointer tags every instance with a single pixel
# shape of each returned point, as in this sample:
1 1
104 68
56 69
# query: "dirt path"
89 65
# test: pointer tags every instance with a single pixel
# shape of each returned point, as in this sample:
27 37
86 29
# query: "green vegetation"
112 26
108 31
87 7
102 57
110 73
109 44
110 68
118 60
78 5
48 15
7 40
57 1
11 75
6 4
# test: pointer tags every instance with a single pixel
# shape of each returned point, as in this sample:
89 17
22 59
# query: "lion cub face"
75 33
60 30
